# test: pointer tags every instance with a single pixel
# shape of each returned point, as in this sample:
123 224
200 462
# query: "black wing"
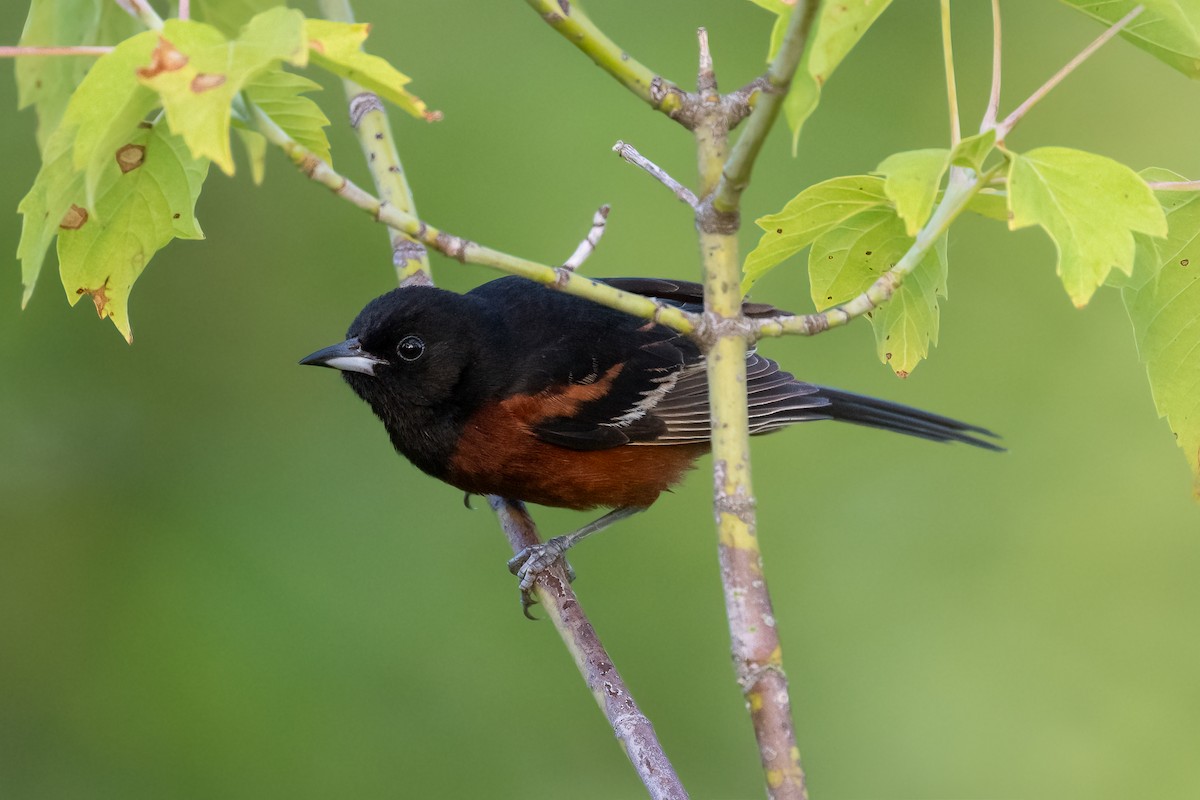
655 388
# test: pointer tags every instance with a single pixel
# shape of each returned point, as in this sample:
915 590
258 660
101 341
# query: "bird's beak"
347 356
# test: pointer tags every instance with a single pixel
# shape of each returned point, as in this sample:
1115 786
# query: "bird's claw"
531 562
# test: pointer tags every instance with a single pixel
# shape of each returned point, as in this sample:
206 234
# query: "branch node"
453 246
362 104
713 326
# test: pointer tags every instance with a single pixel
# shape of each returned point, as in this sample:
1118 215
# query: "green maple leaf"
1167 29
197 72
280 95
337 47
911 182
836 29
1162 297
806 216
143 202
228 16
57 186
846 259
1089 205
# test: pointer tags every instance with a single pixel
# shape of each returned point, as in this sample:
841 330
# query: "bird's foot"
531 562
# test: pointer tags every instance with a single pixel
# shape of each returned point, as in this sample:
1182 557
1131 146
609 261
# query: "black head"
410 354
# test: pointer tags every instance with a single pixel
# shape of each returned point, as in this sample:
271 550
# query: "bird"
517 390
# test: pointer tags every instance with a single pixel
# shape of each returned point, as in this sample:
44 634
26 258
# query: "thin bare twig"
1003 128
993 106
588 245
73 50
706 82
630 154
630 725
951 84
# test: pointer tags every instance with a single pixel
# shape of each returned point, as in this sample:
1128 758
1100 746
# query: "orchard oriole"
517 390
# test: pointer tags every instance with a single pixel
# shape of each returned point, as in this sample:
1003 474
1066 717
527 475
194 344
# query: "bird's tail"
875 413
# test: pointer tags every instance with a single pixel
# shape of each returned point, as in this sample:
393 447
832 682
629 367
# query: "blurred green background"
218 580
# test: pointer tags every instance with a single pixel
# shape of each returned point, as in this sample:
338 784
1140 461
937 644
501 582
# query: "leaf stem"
993 107
464 250
1174 186
951 83
73 50
1003 128
185 9
142 10
573 23
369 120
735 175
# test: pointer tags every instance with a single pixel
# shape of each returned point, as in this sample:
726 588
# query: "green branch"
370 122
757 655
570 20
735 175
464 250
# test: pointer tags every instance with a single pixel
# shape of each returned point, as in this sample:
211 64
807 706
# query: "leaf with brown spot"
198 96
137 213
74 219
130 157
206 81
165 58
107 108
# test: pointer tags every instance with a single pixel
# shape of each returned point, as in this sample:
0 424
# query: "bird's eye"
410 348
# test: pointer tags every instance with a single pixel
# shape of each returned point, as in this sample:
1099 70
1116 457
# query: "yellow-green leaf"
846 259
911 182
337 47
806 216
197 72
1167 29
836 31
228 16
782 10
974 150
1163 301
1089 205
57 186
46 82
108 106
143 201
280 95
